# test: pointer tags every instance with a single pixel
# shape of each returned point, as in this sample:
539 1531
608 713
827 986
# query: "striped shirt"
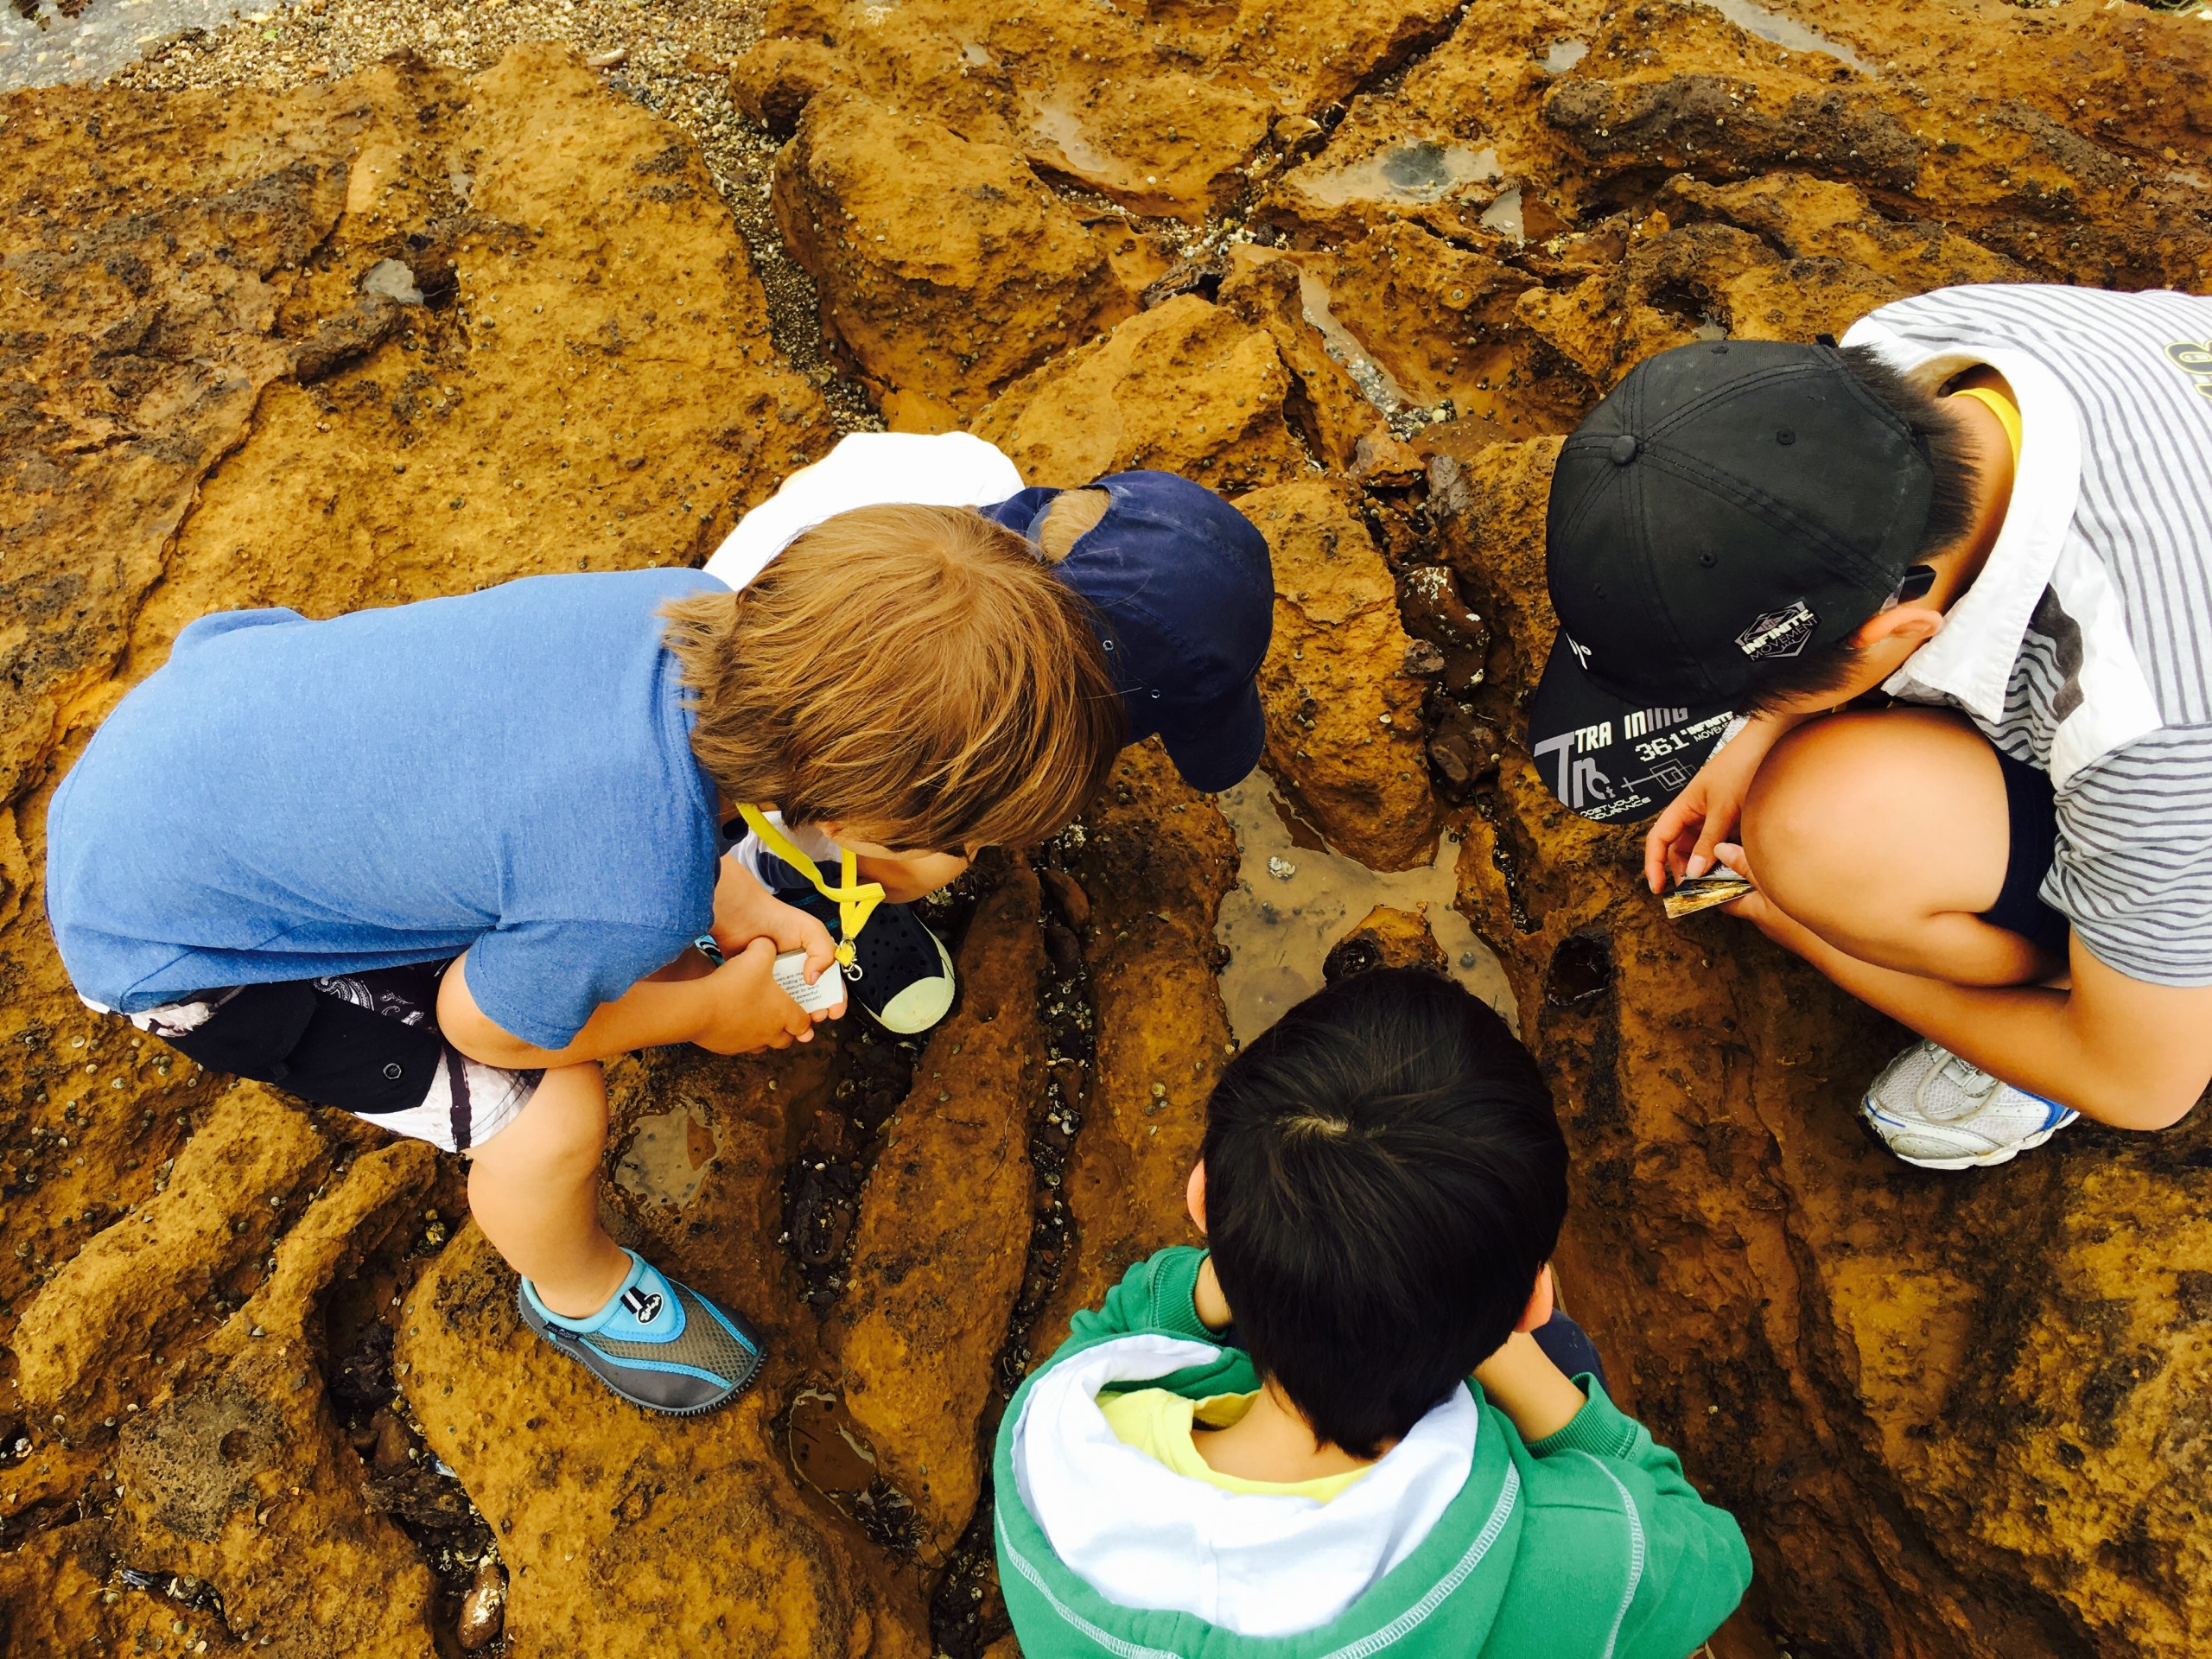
2084 647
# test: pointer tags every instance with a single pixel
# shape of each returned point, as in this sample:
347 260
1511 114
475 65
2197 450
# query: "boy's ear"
1916 623
1541 1301
1194 1196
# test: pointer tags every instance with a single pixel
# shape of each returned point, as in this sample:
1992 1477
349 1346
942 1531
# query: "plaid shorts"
365 1043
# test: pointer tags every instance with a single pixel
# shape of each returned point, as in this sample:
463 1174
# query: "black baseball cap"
1729 502
1185 597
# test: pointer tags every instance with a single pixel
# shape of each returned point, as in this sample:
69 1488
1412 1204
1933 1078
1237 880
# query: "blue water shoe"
658 1344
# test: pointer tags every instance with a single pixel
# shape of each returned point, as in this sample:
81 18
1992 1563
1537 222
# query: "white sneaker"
1933 1109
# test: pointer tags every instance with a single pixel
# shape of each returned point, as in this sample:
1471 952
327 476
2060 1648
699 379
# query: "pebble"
483 1609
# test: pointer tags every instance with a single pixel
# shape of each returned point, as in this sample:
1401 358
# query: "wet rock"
1464 754
1160 113
1438 148
137 1286
1456 639
1202 277
1804 218
484 1610
1382 461
1442 318
1384 938
1155 859
1187 387
1714 126
1067 896
1673 287
1423 660
937 1257
1343 726
338 341
598 281
946 269
244 1480
1327 407
1348 186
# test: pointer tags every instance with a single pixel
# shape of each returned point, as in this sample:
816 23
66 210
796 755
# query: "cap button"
1624 449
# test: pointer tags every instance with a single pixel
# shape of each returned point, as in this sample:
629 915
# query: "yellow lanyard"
856 899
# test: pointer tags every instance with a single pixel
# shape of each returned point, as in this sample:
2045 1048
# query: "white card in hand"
827 992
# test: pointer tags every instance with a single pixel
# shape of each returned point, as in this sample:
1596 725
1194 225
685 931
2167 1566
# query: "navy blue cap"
1185 597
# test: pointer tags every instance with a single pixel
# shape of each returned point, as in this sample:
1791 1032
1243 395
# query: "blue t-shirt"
507 773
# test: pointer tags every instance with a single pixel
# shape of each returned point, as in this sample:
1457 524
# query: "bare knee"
1805 823
563 1129
1879 819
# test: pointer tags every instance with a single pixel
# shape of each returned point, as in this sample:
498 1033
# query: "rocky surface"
1011 276
330 340
1344 715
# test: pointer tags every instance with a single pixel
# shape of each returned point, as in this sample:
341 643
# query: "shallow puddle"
1062 129
1376 383
46 48
1786 32
1292 902
1562 55
1503 215
1419 173
667 1158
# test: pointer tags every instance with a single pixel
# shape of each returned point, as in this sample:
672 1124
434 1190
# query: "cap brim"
1219 750
1606 757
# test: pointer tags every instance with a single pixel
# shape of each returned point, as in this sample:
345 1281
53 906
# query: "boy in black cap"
1182 597
1992 504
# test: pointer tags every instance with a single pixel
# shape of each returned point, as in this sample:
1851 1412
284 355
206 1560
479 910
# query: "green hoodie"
1589 1542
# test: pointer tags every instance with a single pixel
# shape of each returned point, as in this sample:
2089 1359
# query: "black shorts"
2031 812
365 1043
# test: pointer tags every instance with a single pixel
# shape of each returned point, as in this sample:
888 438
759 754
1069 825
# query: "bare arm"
2118 1049
733 1009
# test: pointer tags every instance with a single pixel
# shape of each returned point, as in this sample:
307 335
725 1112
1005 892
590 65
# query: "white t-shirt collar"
1970 660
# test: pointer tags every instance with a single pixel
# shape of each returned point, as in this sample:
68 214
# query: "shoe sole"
1980 1160
545 1335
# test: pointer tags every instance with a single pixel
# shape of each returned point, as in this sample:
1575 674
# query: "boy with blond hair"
432 864
1175 583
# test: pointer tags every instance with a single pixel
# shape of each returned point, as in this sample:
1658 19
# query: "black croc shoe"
905 983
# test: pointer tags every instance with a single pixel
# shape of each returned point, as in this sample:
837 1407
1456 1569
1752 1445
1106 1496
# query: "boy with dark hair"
1271 1447
1989 505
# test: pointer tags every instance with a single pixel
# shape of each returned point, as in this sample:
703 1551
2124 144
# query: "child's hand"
747 1010
746 911
1684 838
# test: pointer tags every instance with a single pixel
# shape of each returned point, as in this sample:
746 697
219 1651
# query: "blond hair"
915 673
